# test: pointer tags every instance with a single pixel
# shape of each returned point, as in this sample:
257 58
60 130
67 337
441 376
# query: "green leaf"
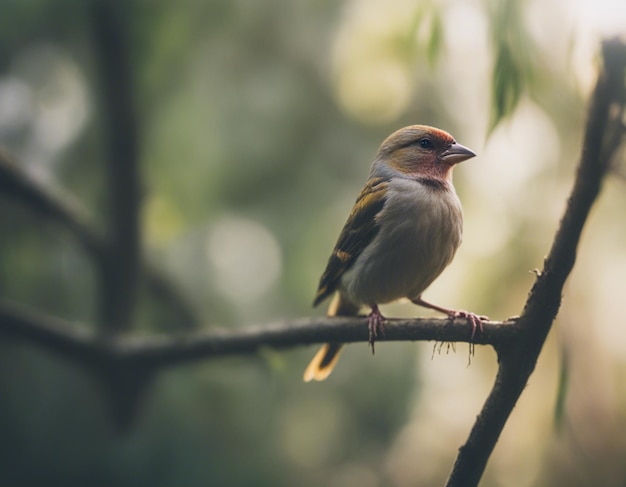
435 41
514 54
424 35
507 86
561 395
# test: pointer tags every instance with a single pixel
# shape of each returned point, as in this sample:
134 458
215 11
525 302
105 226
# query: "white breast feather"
421 228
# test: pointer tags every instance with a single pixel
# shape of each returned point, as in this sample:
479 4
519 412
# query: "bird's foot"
477 323
475 320
375 325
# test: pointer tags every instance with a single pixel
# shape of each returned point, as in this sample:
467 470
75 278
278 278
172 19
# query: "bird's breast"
420 228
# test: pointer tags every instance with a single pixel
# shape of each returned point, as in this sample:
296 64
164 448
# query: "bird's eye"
425 143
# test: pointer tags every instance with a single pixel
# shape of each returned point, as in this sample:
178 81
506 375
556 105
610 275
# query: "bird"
402 232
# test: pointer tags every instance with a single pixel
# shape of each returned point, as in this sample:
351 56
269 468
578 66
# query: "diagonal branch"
518 361
50 202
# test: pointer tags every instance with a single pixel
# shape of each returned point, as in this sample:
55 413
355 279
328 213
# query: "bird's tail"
326 358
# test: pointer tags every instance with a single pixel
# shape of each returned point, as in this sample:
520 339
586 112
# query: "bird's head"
421 151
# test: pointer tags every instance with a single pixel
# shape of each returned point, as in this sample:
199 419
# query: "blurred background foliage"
258 122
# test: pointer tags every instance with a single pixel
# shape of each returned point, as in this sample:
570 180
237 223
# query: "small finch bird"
403 231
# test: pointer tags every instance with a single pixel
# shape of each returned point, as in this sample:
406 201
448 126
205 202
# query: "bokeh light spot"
244 257
374 92
162 220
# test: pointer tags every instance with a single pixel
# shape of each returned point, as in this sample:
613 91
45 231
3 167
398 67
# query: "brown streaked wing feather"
357 233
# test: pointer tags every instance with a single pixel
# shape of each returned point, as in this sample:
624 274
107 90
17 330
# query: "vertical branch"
120 269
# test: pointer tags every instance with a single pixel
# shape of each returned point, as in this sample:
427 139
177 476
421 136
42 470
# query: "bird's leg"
475 320
375 325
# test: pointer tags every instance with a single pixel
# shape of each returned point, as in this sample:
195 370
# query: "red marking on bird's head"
422 151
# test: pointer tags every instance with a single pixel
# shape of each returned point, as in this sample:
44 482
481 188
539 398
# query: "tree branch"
72 341
518 360
51 202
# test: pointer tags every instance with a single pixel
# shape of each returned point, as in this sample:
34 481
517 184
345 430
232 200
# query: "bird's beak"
456 153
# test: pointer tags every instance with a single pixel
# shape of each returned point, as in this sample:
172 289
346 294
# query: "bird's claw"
375 325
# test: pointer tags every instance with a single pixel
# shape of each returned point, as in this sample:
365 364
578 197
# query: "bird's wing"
360 229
